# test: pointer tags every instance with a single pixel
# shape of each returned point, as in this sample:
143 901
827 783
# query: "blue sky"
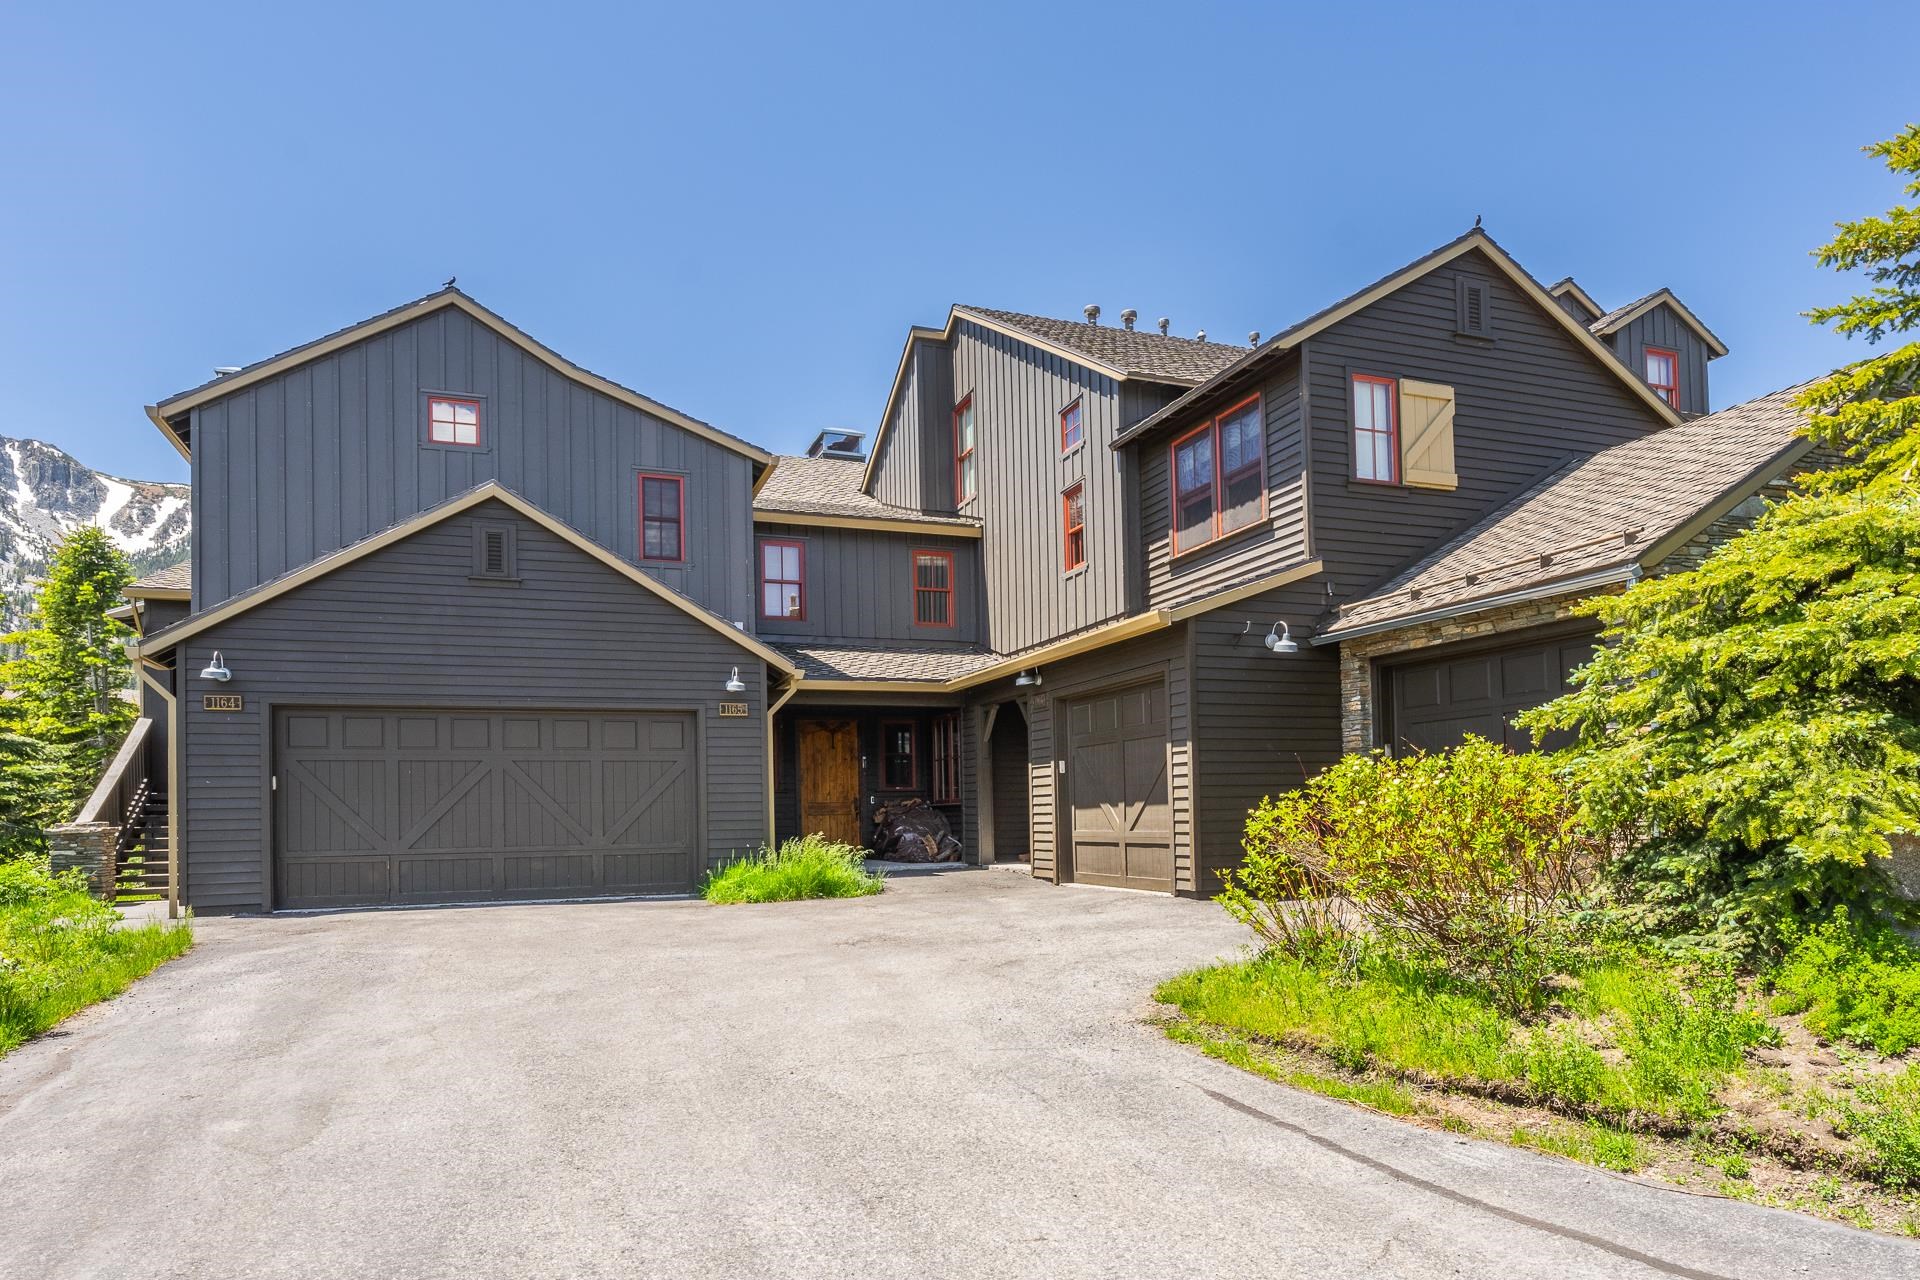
739 210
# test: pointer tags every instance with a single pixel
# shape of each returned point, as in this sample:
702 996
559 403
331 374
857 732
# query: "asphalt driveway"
950 1080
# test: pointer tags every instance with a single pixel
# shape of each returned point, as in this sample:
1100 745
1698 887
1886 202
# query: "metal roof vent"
836 443
1200 335
1127 318
1163 323
223 370
1092 313
1253 339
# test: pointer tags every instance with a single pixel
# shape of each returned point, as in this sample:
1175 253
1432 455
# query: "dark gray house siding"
304 463
1662 327
405 627
859 587
913 465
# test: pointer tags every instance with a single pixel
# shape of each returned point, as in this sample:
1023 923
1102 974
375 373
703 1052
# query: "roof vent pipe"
1127 318
1200 336
1092 312
1253 339
1164 322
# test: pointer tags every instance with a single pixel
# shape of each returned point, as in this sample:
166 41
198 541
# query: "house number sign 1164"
220 702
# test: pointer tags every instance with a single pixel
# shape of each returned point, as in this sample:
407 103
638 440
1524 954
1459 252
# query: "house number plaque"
220 702
733 708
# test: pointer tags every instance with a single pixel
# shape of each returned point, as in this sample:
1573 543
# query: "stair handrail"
122 781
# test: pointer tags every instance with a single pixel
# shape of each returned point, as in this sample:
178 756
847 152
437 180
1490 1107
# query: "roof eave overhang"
168 430
1751 483
1572 585
1666 297
881 524
134 591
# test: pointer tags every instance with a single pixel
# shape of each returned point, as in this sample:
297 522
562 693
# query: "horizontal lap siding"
304 463
405 627
859 587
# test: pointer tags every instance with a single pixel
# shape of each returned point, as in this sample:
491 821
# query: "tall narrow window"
452 421
1073 520
1242 469
964 478
933 588
1071 432
946 759
783 580
663 515
899 771
1219 477
1663 374
1376 429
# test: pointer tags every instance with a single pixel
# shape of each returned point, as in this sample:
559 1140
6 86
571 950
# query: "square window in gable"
453 421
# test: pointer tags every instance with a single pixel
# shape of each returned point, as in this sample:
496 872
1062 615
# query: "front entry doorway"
830 779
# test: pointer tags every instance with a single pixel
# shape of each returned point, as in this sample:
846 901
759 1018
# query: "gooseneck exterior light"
735 684
216 670
1280 639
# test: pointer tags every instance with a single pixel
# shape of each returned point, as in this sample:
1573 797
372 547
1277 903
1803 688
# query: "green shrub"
805 867
1861 986
1470 859
1884 1112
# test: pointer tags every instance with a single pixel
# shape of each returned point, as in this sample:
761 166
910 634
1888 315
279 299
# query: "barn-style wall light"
1280 639
216 670
1028 679
735 684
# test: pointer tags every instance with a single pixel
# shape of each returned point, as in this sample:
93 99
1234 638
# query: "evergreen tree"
1754 724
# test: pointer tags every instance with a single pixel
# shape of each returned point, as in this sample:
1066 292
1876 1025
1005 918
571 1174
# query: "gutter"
1626 573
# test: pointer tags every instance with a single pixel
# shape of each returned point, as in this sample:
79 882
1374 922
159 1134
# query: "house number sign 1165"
220 702
733 708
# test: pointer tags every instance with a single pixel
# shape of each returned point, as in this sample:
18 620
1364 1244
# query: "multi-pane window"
1663 374
663 514
1219 476
1073 519
946 759
1071 430
452 421
1376 429
783 579
899 771
933 588
964 477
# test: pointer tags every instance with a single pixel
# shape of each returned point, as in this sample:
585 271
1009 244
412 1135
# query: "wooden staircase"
143 862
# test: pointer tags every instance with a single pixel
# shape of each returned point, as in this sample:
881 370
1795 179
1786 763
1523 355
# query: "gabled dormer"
1668 346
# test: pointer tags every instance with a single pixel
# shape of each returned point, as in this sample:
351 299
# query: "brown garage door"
1116 782
1438 702
381 806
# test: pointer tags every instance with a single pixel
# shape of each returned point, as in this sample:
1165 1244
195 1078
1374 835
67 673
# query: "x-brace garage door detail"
382 806
1117 783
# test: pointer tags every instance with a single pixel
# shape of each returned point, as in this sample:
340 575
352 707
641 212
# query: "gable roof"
1122 354
818 490
889 663
1598 518
170 415
175 582
1621 317
1566 287
1287 339
491 491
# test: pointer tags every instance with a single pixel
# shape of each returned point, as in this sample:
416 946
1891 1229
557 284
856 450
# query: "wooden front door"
830 779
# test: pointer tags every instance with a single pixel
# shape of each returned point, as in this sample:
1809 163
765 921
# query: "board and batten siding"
1264 547
406 627
914 462
1528 399
1662 327
303 463
859 587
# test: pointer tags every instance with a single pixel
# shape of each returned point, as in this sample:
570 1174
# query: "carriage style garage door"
1116 783
1436 703
377 806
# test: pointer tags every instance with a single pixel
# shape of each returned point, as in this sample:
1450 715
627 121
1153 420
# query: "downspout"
176 777
793 687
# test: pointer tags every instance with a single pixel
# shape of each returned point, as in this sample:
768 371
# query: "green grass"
60 950
1591 1143
1861 988
1883 1112
1380 1095
807 867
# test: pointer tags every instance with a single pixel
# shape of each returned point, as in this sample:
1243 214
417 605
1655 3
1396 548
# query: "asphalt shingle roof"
886 662
831 487
1606 321
1575 521
175 577
1135 353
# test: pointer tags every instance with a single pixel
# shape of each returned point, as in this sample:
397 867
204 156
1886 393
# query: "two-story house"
465 621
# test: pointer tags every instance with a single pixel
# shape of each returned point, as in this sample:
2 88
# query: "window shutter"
1426 435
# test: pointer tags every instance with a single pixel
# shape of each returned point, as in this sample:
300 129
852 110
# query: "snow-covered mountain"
44 493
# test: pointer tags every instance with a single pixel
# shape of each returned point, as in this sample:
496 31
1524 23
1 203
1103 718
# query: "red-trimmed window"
1219 477
1073 521
663 517
1071 430
783 580
1663 374
933 588
946 759
899 767
965 478
451 421
1376 429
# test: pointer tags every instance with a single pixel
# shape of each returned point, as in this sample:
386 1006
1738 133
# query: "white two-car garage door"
392 806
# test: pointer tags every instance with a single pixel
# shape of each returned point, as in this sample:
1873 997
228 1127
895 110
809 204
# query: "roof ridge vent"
1092 312
1127 318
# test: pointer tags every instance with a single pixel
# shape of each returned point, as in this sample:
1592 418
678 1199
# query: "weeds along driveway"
949 1080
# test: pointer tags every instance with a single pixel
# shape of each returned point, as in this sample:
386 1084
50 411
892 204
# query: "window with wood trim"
899 767
1072 432
1376 429
1663 374
946 759
663 518
1219 476
965 479
783 580
1073 521
933 589
451 421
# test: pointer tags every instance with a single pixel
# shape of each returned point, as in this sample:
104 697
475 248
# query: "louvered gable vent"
1474 311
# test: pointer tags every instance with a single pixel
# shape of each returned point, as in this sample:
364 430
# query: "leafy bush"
1884 1112
806 867
1470 859
1861 986
62 950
